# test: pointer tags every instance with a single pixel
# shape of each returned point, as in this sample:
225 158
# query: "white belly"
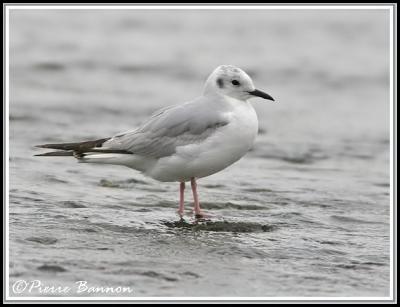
226 146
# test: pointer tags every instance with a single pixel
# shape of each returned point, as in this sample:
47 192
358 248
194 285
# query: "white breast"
226 146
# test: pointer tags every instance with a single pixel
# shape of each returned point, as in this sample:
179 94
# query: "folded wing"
168 129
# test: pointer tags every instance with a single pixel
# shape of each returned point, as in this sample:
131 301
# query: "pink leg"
181 199
197 210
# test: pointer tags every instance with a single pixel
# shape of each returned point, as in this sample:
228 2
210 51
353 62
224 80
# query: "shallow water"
304 213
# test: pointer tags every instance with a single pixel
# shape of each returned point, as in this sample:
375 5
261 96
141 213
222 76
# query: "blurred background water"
305 213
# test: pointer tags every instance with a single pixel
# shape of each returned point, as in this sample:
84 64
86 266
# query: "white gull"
183 142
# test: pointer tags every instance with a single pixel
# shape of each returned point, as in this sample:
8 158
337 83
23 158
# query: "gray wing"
170 128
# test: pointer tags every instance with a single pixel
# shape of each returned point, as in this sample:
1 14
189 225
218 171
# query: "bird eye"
235 82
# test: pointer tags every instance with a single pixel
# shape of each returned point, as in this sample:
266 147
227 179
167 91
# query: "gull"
183 142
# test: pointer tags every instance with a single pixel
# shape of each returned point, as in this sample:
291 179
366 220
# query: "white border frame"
198 7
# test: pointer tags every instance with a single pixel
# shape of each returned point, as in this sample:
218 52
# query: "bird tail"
79 146
79 149
56 154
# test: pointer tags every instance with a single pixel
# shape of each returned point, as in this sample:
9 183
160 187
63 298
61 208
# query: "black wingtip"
55 154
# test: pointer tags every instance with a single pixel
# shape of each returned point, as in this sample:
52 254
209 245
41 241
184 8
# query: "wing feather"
170 128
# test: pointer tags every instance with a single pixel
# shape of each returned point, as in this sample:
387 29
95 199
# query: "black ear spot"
220 83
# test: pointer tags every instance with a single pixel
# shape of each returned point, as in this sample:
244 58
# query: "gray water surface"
304 213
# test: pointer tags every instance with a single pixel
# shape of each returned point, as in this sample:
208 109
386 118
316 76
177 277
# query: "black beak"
261 94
